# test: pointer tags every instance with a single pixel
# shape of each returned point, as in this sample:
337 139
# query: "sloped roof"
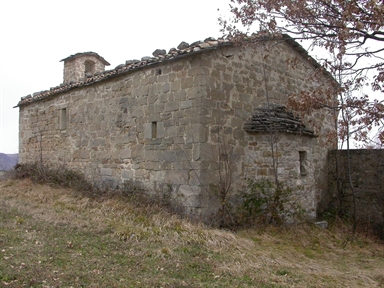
276 118
105 62
184 49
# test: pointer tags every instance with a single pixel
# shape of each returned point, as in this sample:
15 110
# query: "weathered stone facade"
367 173
169 119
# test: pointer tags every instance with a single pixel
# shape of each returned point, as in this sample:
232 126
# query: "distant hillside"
8 161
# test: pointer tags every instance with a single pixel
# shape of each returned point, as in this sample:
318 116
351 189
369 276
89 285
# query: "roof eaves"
173 54
130 66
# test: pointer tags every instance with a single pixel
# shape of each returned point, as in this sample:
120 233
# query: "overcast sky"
36 34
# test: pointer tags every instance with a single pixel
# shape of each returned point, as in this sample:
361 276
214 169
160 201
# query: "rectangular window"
154 130
303 163
63 118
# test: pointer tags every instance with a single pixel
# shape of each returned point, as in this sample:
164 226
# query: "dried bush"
62 176
59 176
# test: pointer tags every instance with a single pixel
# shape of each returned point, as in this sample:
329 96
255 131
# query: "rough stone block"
268 153
153 155
170 156
166 88
203 151
187 83
186 104
172 131
176 85
178 66
180 95
200 80
156 166
238 133
140 173
84 154
138 112
148 130
196 133
125 153
197 71
176 177
127 174
184 154
171 106
194 93
137 152
106 172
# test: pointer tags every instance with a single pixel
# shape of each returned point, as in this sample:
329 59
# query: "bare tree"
352 30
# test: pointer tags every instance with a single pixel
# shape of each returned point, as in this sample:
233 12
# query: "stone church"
199 116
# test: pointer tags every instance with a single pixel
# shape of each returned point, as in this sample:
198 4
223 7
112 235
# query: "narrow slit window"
154 130
63 119
303 163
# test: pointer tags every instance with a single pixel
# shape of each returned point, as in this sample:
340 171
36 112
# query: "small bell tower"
82 65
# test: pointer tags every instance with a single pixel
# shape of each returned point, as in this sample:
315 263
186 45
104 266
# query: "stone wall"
367 171
109 132
171 124
237 86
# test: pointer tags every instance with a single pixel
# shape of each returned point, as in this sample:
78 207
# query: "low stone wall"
367 171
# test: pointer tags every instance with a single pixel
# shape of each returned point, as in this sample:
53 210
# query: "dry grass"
58 238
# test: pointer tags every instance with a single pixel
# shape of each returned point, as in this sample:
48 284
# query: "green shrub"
266 203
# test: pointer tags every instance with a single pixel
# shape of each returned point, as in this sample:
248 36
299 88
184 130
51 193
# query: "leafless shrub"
64 177
60 176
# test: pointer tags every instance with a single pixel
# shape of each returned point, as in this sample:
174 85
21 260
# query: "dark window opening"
303 162
154 130
89 67
159 72
63 118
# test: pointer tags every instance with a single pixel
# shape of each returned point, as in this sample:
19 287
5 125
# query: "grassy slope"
56 238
